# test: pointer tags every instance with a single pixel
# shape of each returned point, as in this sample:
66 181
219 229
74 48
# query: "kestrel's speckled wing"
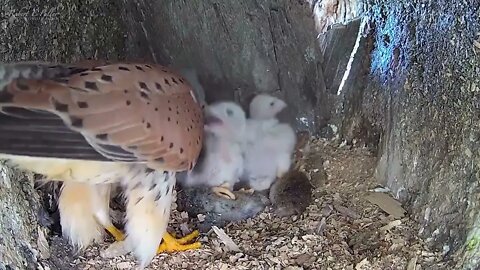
119 112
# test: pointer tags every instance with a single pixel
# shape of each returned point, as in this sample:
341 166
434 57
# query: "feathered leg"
79 205
85 213
102 211
148 210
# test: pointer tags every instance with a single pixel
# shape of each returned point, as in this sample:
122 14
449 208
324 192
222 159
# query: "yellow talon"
116 233
187 238
171 244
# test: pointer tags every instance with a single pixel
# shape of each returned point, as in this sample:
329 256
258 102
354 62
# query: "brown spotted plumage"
127 106
94 124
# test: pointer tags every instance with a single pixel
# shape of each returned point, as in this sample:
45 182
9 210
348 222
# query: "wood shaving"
364 264
412 264
227 240
201 217
42 244
322 226
386 203
476 44
346 211
391 225
115 249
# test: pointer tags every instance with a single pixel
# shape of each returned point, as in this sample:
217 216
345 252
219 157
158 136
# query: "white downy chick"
265 107
269 144
222 161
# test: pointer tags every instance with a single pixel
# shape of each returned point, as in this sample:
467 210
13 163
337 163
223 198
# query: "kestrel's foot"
171 244
224 192
116 233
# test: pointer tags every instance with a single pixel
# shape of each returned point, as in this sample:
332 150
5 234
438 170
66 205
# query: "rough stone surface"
18 229
60 30
421 99
242 47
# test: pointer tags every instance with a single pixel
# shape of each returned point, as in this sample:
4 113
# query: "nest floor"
341 229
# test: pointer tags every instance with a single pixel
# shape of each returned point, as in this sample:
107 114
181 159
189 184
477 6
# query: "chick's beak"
283 105
211 119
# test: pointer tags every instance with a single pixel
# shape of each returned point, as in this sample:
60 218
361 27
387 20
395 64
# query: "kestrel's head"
264 106
225 119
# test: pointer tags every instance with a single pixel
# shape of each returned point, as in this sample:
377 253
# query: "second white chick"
269 144
222 163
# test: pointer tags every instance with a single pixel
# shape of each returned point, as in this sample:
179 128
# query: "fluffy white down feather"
267 152
269 144
223 161
223 164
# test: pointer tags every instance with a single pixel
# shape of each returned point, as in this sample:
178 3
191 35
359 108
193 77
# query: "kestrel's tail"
34 71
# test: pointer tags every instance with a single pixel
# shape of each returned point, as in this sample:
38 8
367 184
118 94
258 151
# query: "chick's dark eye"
272 103
229 112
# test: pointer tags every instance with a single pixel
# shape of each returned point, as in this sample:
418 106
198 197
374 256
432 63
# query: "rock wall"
242 47
420 97
18 221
